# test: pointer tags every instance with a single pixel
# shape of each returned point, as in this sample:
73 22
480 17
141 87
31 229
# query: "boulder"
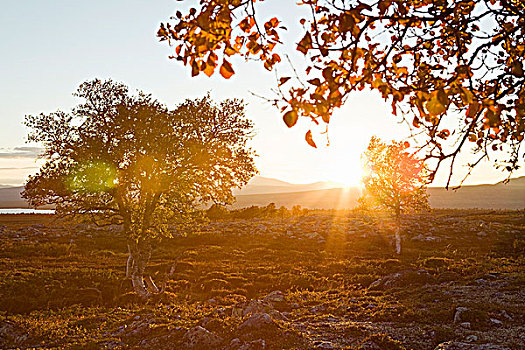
258 322
276 297
402 279
237 344
200 338
251 307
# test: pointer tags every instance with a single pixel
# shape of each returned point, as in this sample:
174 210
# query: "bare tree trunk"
397 236
139 255
398 239
152 287
129 263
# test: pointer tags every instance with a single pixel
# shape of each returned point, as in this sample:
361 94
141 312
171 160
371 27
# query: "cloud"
20 152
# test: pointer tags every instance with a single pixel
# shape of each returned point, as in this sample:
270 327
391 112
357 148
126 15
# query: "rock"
318 309
401 279
471 338
478 319
465 325
504 314
275 296
251 307
115 228
258 322
423 238
312 235
458 314
323 345
276 315
13 336
138 328
481 234
237 344
453 345
495 322
111 344
201 338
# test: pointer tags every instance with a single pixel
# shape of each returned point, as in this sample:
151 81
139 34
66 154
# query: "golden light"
92 177
344 153
345 169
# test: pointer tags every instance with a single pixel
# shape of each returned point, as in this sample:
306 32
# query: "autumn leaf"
473 109
226 70
290 118
309 139
305 44
283 80
195 70
435 107
517 69
315 81
208 69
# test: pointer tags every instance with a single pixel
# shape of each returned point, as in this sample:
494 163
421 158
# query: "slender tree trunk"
139 255
397 236
398 239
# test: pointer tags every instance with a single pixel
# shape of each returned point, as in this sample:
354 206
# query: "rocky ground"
326 280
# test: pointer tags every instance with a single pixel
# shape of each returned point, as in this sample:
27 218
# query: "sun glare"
344 153
347 173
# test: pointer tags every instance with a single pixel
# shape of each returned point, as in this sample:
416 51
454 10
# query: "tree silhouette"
126 159
395 181
453 69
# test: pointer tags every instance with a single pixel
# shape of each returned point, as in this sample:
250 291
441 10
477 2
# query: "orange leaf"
305 44
473 109
435 106
226 70
208 69
283 80
195 70
290 118
309 139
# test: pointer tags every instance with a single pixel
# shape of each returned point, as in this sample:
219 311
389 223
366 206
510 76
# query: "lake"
26 211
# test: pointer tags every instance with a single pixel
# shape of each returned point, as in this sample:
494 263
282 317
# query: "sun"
346 170
345 165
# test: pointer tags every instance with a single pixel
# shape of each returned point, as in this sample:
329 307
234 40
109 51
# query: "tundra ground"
327 280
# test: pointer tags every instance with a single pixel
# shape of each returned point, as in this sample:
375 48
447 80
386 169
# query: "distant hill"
509 195
263 185
498 196
340 198
10 198
261 191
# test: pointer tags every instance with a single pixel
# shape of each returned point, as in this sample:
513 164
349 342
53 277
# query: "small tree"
395 181
127 159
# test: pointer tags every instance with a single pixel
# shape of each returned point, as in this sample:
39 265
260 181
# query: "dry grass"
63 285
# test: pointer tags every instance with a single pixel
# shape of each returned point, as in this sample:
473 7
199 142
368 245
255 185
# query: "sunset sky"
50 47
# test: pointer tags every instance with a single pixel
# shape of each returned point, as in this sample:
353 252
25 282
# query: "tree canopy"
127 159
395 181
395 178
454 70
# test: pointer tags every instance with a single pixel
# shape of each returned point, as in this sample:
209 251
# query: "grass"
65 287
